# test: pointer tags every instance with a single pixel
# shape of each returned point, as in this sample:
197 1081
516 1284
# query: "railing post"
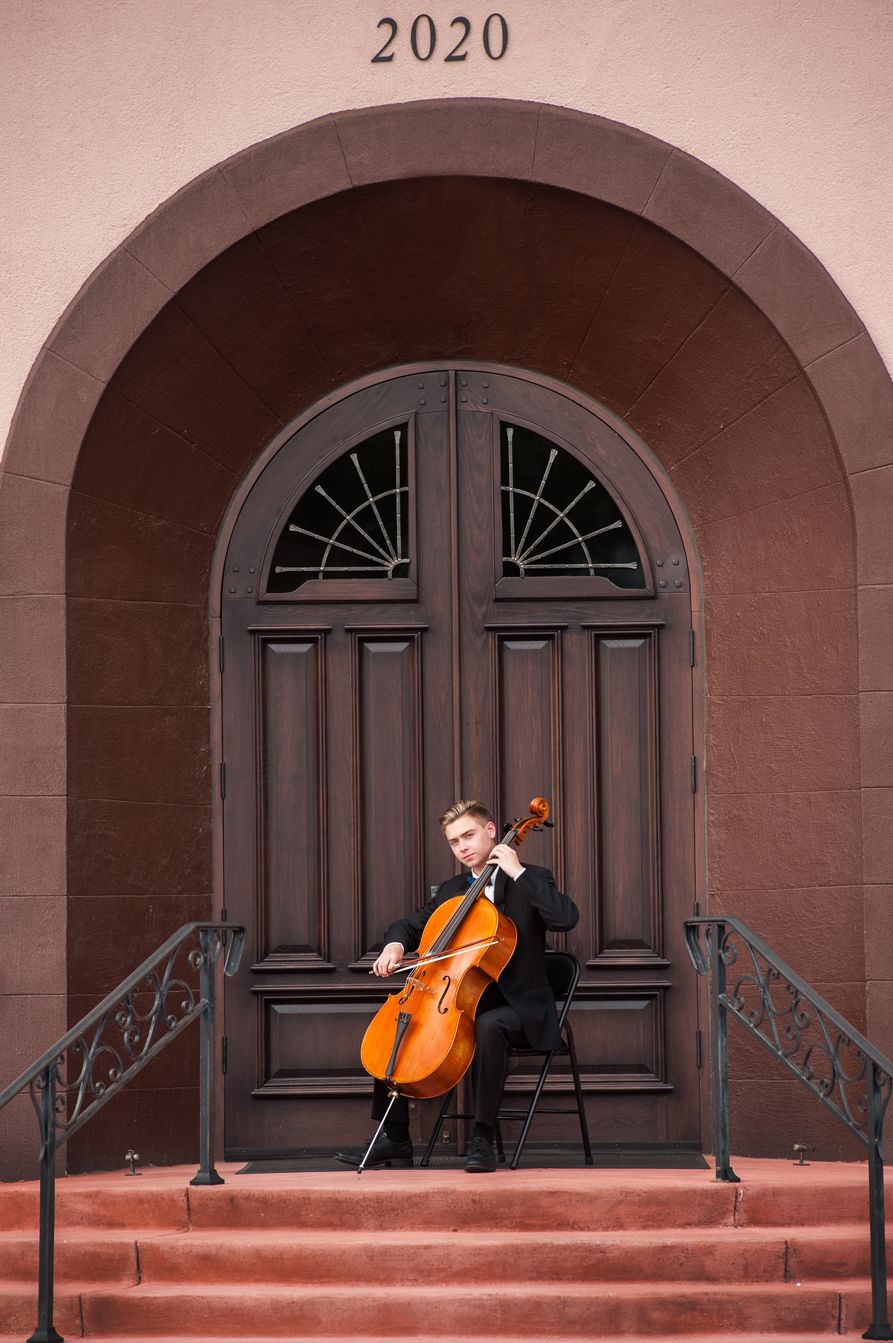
45 1332
720 1047
880 1324
206 1173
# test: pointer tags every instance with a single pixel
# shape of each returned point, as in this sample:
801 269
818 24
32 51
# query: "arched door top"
587 487
352 524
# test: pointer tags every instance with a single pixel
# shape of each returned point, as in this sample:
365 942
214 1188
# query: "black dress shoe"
480 1156
385 1152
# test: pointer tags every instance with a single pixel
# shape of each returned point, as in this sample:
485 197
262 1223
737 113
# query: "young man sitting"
517 1012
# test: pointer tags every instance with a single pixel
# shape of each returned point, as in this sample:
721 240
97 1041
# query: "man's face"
471 841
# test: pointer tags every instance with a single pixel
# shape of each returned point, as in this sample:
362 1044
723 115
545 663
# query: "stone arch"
540 237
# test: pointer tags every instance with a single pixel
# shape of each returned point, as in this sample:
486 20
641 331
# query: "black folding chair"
563 971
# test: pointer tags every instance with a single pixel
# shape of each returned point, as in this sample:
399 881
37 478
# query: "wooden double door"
453 583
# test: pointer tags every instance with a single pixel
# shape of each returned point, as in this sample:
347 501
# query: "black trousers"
497 1030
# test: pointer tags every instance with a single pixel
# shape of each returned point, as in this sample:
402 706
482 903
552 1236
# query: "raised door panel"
624 721
529 733
388 802
308 1046
620 1038
293 898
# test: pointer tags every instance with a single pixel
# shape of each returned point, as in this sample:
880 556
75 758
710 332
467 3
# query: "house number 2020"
423 38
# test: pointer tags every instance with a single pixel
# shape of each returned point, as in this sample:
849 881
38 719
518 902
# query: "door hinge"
694 774
696 912
220 651
224 917
223 1053
223 778
691 647
698 1048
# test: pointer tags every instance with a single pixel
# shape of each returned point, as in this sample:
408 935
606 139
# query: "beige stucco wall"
108 108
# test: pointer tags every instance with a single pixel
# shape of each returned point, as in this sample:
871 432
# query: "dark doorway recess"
453 581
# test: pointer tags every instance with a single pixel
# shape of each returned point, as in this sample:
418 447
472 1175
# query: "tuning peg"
549 824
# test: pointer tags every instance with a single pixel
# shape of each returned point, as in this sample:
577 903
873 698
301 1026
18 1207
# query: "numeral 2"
380 55
455 54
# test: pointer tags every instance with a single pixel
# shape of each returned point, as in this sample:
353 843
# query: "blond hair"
465 807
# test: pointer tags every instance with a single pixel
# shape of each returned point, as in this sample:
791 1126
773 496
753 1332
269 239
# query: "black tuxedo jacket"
533 903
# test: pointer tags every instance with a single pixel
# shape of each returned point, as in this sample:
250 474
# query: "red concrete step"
464 1338
92 1202
816 1198
447 1204
518 1311
528 1255
772 1194
439 1258
831 1253
855 1307
524 1200
81 1256
18 1311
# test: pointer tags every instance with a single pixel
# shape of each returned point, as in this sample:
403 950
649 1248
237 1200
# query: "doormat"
662 1158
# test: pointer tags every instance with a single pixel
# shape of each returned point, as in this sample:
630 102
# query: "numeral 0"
423 38
504 37
414 37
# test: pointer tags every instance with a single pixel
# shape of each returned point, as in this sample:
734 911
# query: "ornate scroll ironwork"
557 519
797 1025
842 1069
108 1047
103 1053
353 523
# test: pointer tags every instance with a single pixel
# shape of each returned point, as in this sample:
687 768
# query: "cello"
421 1041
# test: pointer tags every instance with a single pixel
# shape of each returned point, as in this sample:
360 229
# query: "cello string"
455 923
474 891
511 837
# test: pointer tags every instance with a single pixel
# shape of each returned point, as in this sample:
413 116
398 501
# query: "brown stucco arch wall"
539 237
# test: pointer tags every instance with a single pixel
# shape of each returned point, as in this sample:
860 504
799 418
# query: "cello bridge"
411 984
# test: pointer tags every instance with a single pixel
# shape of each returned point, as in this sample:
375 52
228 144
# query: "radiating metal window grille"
353 522
557 519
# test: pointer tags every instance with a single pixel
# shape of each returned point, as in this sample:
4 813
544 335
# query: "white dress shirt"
490 890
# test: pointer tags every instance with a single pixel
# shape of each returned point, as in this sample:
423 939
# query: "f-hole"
446 988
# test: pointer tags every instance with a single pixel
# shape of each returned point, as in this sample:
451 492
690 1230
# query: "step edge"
500 1288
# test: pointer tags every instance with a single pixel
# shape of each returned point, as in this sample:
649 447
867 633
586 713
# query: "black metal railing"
839 1066
108 1047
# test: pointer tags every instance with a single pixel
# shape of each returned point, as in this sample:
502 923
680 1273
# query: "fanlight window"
353 522
557 519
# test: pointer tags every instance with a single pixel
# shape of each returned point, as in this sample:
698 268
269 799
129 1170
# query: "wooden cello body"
437 1045
421 1041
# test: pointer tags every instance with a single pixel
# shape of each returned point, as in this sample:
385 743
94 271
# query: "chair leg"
581 1107
533 1104
435 1132
500 1150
